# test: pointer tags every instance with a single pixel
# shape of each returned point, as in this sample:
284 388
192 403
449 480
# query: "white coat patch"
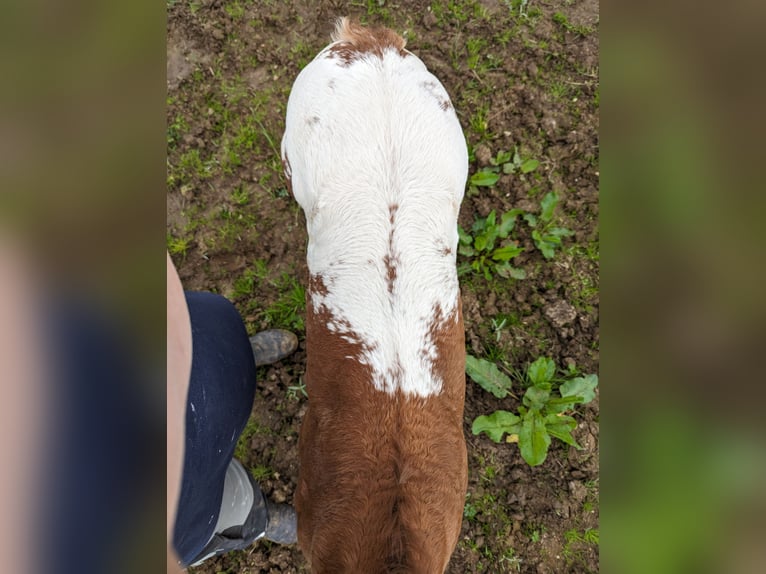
378 162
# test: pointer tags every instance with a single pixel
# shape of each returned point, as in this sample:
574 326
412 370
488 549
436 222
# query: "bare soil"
516 81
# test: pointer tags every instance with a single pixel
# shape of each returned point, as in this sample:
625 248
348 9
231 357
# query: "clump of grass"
252 428
235 10
261 472
177 245
295 392
577 542
287 311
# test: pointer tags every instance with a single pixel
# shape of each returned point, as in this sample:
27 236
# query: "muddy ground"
522 75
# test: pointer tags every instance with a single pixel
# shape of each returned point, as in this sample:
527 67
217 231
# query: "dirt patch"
520 77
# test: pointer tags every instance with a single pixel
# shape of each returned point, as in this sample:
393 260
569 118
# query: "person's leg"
221 391
221 508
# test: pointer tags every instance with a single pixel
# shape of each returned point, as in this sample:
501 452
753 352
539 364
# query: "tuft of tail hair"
366 39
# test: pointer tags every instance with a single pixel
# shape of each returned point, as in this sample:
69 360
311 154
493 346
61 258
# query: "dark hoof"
273 345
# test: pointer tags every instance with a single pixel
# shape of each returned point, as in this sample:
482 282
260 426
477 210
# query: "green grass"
261 472
535 533
252 428
240 196
288 311
492 518
561 19
176 130
244 286
479 123
177 245
191 165
559 90
194 6
235 10
577 543
475 47
376 13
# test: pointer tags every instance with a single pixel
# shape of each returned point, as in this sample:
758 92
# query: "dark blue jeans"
221 392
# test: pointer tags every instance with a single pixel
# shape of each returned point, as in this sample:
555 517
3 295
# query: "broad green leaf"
581 386
561 428
547 205
466 250
552 239
533 439
546 250
497 424
517 273
508 168
502 157
507 222
506 270
491 218
489 236
488 376
465 239
529 165
516 156
507 252
480 243
530 219
564 421
560 404
541 371
563 436
536 396
545 246
560 232
484 178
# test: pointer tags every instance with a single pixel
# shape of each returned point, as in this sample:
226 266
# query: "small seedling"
469 510
575 542
504 162
514 164
487 257
541 415
294 390
546 236
498 324
240 195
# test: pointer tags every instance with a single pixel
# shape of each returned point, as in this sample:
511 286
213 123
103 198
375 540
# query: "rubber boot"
273 345
246 516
